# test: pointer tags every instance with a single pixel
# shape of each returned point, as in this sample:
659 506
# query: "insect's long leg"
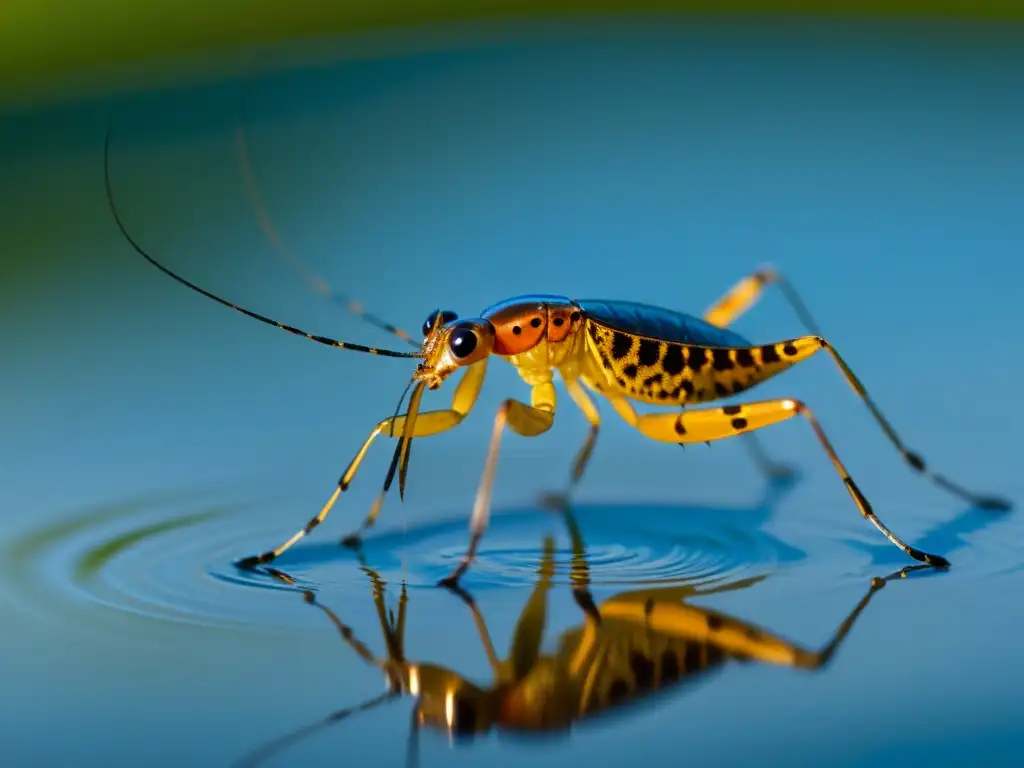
708 424
526 420
748 290
314 281
732 635
915 460
426 424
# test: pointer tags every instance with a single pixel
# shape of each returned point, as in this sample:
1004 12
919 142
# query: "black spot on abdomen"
673 363
621 344
649 352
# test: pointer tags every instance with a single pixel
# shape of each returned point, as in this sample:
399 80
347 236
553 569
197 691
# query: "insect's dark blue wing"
659 323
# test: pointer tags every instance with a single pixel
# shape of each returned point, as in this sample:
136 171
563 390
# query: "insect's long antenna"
260 754
263 319
314 281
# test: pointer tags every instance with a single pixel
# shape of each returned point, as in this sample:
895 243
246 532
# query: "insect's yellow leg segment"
526 420
744 294
426 424
707 424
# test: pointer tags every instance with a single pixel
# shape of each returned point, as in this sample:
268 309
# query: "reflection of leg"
739 638
715 423
526 420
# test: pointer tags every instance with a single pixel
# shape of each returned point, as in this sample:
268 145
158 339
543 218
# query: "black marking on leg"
915 460
313 523
769 354
649 352
621 345
247 563
731 410
739 423
790 349
680 429
673 363
714 623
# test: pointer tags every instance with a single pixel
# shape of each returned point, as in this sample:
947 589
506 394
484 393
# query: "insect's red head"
450 344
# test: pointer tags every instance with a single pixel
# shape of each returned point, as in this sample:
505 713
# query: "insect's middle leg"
526 420
708 424
426 424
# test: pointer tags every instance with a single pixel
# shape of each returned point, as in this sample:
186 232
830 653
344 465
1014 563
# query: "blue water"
151 437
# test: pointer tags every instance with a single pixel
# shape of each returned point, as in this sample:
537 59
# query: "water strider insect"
623 351
635 645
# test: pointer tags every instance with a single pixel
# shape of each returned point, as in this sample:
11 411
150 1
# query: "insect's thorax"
538 334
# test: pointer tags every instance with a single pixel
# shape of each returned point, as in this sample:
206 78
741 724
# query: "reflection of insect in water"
634 645
623 351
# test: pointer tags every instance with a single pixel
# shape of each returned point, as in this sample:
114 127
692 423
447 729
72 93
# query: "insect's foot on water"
938 561
248 563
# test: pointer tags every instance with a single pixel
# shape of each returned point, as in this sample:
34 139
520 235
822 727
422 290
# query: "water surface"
151 438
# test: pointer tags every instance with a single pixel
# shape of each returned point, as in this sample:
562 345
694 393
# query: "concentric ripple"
172 559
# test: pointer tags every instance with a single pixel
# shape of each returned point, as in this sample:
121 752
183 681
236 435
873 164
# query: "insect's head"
448 703
450 343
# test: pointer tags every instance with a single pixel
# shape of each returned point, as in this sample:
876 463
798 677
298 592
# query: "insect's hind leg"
736 301
745 293
709 424
426 424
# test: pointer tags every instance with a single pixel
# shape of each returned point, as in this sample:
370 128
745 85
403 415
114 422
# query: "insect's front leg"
526 420
426 424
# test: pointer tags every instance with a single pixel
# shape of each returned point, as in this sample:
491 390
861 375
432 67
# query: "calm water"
150 437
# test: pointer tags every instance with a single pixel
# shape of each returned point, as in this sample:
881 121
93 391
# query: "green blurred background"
48 47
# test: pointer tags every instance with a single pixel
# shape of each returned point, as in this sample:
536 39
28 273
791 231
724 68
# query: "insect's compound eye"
447 316
462 342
